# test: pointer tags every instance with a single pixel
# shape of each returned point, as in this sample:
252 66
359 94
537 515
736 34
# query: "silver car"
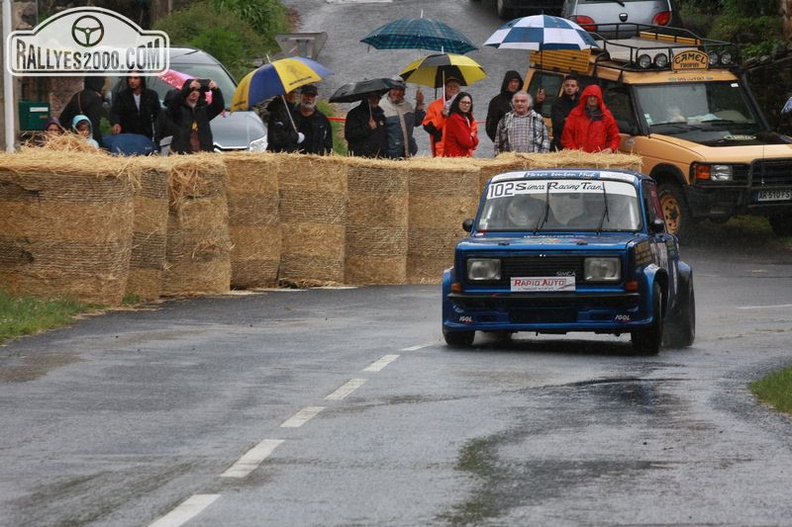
615 18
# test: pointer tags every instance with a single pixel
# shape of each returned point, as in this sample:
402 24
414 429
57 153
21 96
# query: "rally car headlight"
483 269
602 269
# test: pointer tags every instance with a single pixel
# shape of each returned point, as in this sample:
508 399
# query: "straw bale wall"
376 227
198 246
66 224
313 215
254 219
149 232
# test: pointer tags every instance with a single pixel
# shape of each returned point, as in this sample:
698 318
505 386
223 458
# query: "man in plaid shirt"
522 129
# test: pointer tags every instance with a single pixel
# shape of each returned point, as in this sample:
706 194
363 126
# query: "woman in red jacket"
590 126
460 135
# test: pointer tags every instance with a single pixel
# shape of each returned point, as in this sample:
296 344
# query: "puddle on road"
33 367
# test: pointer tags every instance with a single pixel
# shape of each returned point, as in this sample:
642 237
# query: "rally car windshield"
560 205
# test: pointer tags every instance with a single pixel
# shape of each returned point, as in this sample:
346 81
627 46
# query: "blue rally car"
560 250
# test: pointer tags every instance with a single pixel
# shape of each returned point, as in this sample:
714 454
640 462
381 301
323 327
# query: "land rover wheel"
458 339
676 213
781 224
647 341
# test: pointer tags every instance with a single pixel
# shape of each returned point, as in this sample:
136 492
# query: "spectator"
522 129
187 115
135 108
365 130
87 102
437 113
590 126
82 126
500 105
281 130
401 119
314 135
52 128
562 106
461 131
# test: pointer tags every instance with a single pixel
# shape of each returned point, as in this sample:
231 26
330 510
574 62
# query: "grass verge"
26 316
775 389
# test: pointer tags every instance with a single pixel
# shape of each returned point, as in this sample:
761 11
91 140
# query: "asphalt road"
343 407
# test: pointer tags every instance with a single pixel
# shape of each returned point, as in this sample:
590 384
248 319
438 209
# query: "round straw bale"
66 225
376 232
150 229
253 198
442 195
198 243
313 215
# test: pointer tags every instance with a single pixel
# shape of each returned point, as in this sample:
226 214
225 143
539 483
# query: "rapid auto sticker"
543 283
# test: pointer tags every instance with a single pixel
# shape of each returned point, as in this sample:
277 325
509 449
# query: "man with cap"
314 135
437 113
401 119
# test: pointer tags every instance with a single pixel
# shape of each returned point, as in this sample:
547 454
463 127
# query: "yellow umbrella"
433 70
279 77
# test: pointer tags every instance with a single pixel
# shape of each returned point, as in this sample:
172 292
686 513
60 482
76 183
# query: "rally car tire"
682 331
647 341
458 339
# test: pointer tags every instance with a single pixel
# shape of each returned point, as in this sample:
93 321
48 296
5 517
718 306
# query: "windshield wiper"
605 214
543 218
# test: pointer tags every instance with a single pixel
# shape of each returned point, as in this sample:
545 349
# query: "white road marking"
414 348
350 386
186 511
379 364
251 460
779 306
302 417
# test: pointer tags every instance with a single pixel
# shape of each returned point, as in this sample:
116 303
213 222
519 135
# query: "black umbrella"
357 91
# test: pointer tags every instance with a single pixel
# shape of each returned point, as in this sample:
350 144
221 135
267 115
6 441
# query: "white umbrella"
539 33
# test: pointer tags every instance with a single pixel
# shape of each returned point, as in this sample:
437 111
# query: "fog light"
661 61
644 61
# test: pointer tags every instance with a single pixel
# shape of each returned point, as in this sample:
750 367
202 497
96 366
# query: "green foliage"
25 316
267 17
775 389
756 36
224 35
339 143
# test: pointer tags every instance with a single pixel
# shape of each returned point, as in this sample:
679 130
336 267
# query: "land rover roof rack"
636 47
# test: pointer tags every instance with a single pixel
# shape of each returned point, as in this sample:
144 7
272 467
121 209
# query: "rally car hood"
550 241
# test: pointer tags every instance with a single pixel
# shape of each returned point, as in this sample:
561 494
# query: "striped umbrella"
419 33
279 77
539 33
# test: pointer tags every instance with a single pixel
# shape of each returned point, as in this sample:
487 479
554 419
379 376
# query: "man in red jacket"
590 126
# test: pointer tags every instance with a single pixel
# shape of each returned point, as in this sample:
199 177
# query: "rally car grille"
539 265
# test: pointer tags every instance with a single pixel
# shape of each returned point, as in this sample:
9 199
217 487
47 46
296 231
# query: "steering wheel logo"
87 31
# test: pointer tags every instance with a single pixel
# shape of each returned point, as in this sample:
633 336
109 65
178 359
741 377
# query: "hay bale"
313 215
580 159
254 223
150 228
66 227
376 229
442 194
198 247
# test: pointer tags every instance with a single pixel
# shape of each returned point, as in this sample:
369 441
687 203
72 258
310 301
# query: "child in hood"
82 127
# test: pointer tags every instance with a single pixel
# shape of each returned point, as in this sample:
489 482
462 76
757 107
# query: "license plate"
774 195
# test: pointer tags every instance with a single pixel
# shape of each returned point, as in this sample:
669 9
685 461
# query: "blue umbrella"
419 33
540 33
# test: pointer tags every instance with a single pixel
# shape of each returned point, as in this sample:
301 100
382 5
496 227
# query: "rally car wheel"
677 216
682 331
647 341
458 339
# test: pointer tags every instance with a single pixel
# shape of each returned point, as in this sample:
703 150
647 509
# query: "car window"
617 99
567 205
552 87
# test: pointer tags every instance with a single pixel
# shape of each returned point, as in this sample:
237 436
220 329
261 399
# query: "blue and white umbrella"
541 33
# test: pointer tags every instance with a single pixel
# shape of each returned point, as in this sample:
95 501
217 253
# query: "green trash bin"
33 115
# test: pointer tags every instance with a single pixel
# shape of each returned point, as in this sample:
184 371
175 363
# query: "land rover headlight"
482 269
602 269
713 172
259 145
